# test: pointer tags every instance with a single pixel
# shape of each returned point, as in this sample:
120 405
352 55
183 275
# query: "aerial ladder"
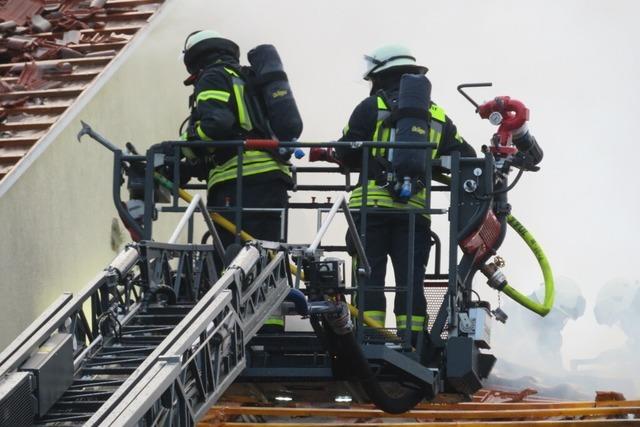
159 335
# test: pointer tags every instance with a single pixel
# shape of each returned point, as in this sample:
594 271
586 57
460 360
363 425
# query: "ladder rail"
231 309
211 351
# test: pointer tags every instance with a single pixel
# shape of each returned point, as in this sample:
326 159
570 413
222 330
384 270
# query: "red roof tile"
42 73
20 11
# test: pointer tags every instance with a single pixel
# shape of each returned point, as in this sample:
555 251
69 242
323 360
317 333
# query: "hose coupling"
497 279
340 319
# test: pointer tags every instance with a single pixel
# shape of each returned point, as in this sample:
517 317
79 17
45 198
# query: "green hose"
549 292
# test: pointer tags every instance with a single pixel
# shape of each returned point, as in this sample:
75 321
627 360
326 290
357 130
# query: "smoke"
529 348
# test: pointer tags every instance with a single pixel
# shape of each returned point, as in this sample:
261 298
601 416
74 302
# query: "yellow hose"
216 217
549 289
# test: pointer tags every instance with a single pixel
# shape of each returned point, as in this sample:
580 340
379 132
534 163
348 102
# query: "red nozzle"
514 115
513 112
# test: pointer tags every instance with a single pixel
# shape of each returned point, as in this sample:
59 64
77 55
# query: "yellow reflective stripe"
218 95
275 321
246 170
417 322
188 153
345 130
385 202
219 174
243 116
437 113
374 191
248 158
220 171
459 138
381 198
231 71
434 137
215 178
238 91
201 133
376 315
386 135
374 151
386 132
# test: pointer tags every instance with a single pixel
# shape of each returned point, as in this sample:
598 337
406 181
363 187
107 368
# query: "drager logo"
419 130
279 93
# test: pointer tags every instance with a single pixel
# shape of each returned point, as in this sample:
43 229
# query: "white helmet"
390 56
198 36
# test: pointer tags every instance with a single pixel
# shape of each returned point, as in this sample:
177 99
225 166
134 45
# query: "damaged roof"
488 408
50 52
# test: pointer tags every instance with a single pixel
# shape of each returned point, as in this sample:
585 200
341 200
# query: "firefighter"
223 107
387 234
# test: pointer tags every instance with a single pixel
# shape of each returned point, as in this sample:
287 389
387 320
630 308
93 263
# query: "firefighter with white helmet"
388 234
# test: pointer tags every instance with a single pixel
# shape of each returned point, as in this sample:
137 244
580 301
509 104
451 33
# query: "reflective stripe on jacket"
253 162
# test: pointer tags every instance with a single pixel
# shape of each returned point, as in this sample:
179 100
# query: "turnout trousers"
387 236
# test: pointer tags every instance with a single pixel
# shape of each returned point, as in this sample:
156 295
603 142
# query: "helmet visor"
375 65
368 64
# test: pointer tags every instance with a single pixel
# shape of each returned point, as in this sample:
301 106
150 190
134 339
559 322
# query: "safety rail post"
353 231
325 225
176 176
149 187
430 154
452 291
239 188
118 159
409 285
362 282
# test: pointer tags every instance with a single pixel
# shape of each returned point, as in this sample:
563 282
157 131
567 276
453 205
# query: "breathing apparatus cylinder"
277 98
527 146
412 125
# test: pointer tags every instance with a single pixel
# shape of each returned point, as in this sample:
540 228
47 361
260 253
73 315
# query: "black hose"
351 351
481 212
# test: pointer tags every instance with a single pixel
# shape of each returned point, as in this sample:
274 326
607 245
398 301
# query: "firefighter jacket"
221 110
367 123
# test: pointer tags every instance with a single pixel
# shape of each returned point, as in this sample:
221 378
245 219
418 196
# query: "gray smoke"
529 348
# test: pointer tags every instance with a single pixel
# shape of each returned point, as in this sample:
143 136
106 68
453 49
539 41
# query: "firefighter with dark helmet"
225 107
387 235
